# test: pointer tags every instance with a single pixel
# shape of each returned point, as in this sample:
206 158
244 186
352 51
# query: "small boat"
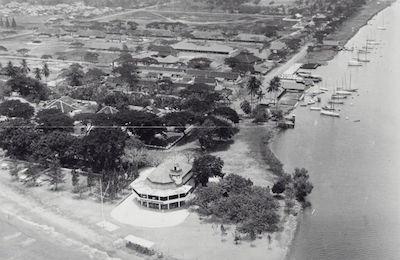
328 108
348 89
343 92
363 60
315 108
311 102
382 28
303 104
336 102
336 96
324 89
357 121
354 63
329 113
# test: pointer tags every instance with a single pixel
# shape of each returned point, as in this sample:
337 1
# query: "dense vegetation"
236 200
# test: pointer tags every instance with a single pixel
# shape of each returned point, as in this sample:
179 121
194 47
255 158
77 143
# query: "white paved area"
131 213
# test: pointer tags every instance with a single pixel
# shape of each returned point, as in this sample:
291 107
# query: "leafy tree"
260 114
165 86
16 137
56 145
293 44
16 108
205 167
127 69
253 86
53 119
46 57
103 148
319 36
94 75
206 135
74 74
199 63
55 175
234 183
23 51
246 107
239 66
301 184
223 128
179 119
228 113
28 87
11 70
91 57
144 124
283 181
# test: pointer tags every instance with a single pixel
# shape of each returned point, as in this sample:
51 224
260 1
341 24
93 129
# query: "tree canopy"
16 108
205 167
53 119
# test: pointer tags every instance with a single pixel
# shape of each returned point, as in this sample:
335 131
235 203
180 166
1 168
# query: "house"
64 107
247 58
204 47
108 110
166 187
251 38
204 35
70 106
163 50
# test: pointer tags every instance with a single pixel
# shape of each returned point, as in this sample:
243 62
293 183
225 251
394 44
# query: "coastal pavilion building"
167 186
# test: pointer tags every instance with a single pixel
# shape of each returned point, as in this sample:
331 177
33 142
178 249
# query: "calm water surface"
355 166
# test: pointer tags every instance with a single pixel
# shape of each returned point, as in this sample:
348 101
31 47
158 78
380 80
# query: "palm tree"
260 96
253 86
274 86
38 73
24 67
46 70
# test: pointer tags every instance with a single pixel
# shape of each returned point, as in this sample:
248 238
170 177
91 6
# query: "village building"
108 110
210 36
167 186
277 46
71 107
197 47
251 38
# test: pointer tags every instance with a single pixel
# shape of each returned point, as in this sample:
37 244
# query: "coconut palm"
260 96
24 67
274 86
253 86
38 73
46 71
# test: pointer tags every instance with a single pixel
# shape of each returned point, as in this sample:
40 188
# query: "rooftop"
167 172
202 47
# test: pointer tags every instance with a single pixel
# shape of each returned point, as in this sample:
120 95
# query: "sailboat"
365 59
382 27
355 62
347 89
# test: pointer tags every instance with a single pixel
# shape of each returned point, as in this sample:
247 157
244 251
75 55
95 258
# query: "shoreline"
348 30
355 23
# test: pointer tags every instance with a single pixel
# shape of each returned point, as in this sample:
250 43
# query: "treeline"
95 3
